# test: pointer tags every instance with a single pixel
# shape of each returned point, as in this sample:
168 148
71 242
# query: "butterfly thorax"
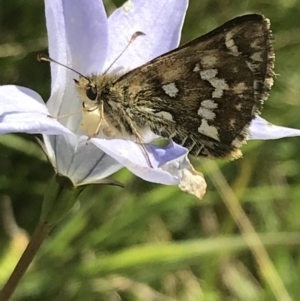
103 106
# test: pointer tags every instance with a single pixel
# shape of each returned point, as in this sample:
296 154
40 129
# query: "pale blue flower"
82 37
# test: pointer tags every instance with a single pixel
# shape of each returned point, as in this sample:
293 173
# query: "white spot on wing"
239 88
208 130
170 89
218 83
165 115
206 109
208 61
256 56
206 113
197 68
229 42
209 104
208 74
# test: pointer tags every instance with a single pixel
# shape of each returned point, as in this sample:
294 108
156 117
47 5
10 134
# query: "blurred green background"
147 241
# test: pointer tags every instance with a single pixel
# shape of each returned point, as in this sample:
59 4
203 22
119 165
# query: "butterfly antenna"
133 37
46 58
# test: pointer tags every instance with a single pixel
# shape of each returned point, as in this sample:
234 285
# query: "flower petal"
79 160
191 181
57 42
132 156
23 110
87 34
161 21
77 34
262 129
78 38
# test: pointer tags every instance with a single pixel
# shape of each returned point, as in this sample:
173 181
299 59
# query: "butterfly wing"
205 93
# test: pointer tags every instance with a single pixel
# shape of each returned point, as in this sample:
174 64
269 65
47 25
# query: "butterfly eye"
91 93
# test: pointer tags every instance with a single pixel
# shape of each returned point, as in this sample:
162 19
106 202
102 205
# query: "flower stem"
41 232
